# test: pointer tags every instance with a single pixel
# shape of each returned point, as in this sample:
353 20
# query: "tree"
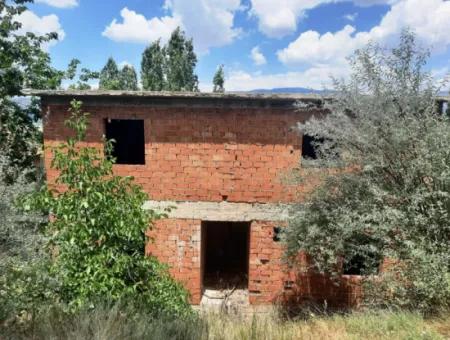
84 77
98 228
23 64
392 197
219 80
180 62
152 68
109 76
128 78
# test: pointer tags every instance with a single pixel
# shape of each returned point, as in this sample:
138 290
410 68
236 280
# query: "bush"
23 268
391 198
97 230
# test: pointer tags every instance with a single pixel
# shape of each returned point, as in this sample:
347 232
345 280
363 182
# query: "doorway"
225 254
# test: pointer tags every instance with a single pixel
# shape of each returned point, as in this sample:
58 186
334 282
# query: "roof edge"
169 94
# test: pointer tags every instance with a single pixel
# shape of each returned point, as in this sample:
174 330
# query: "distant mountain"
288 90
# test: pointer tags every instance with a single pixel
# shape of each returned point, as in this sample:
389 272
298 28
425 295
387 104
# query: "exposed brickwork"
210 155
177 242
198 154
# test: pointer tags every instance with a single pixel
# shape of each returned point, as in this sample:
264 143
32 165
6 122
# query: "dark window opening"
368 264
225 254
309 147
129 140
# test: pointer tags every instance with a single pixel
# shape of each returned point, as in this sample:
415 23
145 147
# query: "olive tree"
391 197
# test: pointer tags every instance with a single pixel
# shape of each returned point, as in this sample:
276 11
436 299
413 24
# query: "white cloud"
351 17
429 19
125 63
60 3
278 18
257 57
40 25
209 22
136 28
318 77
312 48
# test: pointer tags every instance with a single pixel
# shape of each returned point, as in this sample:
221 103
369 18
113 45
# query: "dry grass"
357 326
111 323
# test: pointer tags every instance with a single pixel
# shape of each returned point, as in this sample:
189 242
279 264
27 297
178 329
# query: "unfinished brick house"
220 160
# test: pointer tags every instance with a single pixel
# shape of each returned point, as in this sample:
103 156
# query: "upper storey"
193 146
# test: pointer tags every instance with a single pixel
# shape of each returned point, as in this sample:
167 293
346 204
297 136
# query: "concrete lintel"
222 211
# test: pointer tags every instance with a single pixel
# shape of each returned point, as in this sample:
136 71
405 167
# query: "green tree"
109 76
84 77
23 64
152 68
219 80
98 228
128 78
394 198
180 62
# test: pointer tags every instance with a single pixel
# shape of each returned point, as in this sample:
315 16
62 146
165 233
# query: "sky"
261 43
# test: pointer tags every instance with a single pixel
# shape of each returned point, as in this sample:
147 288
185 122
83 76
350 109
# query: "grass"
112 323
381 325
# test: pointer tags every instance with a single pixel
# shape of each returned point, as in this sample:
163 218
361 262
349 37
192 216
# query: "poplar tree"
219 80
128 78
152 68
180 62
109 76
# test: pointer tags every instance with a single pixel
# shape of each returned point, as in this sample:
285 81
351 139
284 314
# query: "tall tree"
128 78
109 76
219 80
23 64
180 63
152 68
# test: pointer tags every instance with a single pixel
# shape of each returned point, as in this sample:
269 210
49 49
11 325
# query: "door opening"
225 254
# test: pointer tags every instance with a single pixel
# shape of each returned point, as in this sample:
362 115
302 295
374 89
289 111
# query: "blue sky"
262 43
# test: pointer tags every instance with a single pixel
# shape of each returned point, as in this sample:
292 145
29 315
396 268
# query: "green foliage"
392 197
23 64
116 322
97 230
109 76
219 80
172 67
106 321
152 68
84 76
128 78
22 258
180 63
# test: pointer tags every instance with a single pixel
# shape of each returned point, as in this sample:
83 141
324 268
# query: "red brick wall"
177 242
198 154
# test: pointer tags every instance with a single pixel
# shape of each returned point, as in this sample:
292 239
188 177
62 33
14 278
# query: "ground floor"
223 253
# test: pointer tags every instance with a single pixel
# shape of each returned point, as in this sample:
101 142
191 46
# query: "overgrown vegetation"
111 322
82 273
97 230
391 198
